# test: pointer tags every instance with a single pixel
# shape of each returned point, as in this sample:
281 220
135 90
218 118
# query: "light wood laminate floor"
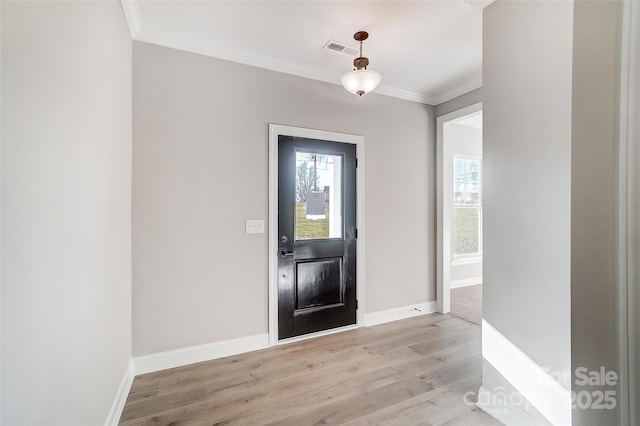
466 303
410 372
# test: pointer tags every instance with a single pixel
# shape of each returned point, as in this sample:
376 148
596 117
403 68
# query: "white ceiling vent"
340 47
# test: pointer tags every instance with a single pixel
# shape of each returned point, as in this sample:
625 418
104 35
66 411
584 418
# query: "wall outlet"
254 226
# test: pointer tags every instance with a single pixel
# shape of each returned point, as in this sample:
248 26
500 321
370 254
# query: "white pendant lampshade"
361 80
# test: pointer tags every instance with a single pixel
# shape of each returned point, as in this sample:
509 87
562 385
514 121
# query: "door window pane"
318 196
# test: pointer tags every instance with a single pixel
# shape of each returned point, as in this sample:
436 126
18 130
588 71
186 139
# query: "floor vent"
339 47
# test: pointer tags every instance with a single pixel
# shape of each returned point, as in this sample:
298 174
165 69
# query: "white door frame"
444 211
276 130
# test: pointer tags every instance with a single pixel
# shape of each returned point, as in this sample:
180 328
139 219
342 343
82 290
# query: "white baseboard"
396 314
499 408
465 282
185 356
191 355
121 397
541 393
179 357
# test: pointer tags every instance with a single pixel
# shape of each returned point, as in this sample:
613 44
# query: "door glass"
318 196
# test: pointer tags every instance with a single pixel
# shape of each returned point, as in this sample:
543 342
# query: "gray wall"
200 169
550 110
527 180
633 220
527 171
66 210
594 175
459 102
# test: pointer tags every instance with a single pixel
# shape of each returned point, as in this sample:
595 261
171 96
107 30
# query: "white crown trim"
134 20
454 93
479 4
132 14
193 46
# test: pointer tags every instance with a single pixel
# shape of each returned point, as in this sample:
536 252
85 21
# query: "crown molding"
132 14
405 94
193 46
479 4
134 21
458 91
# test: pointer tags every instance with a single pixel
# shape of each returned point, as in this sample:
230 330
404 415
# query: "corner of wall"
121 395
459 102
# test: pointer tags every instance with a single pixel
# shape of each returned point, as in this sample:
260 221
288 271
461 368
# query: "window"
467 207
318 196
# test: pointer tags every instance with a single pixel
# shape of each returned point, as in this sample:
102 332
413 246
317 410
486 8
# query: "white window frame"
457 257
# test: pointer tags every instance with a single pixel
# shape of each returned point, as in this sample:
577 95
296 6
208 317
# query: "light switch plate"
254 226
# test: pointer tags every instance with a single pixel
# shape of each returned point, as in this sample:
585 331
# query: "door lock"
284 239
285 253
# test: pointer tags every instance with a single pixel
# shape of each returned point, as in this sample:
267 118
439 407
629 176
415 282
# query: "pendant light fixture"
361 80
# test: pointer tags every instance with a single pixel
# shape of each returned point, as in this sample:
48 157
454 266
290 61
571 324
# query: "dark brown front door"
317 235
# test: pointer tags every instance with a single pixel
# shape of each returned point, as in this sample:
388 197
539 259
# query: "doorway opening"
316 250
460 214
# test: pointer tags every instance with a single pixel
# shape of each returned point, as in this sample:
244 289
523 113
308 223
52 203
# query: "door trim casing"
276 130
443 216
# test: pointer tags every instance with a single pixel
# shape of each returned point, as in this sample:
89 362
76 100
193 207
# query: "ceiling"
427 51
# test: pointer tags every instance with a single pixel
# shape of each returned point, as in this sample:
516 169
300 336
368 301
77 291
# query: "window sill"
466 260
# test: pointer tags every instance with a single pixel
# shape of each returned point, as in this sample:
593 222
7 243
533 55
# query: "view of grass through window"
311 228
466 231
318 196
467 210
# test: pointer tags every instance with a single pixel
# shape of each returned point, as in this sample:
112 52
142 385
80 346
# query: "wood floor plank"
413 371
341 411
287 408
466 303
432 330
424 409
